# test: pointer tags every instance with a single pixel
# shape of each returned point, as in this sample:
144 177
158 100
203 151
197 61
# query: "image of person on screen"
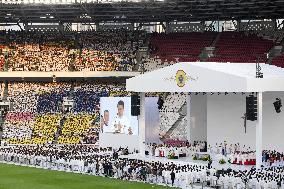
121 123
105 121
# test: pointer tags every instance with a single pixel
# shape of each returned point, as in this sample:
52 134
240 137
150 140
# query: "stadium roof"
144 11
209 77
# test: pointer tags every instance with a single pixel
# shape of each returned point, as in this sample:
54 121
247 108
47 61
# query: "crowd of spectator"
45 128
37 115
2 62
36 57
75 128
93 60
108 163
87 51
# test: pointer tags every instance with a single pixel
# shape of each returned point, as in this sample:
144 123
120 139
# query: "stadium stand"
91 51
45 134
37 116
111 51
91 60
35 57
172 45
274 35
152 63
167 49
45 128
241 47
2 62
38 106
117 50
75 128
108 37
279 61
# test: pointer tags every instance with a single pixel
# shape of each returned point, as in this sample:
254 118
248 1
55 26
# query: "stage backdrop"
152 120
225 123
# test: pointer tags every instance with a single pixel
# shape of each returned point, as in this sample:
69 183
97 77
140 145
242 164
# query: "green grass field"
17 177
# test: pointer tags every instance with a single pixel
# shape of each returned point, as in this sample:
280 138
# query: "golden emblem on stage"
181 78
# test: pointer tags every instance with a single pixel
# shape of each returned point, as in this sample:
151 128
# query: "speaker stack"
251 107
135 105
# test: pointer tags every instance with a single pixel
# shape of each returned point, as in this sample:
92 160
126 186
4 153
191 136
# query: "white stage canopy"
209 77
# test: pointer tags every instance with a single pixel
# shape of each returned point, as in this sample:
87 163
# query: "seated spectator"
37 115
91 51
75 127
2 62
45 128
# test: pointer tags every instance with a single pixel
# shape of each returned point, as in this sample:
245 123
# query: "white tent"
209 77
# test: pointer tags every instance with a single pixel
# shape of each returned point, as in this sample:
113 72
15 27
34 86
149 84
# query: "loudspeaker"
135 100
135 110
160 103
251 108
135 105
277 105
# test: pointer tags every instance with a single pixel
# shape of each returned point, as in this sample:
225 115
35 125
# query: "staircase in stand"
59 130
142 51
65 114
2 117
274 52
208 52
216 39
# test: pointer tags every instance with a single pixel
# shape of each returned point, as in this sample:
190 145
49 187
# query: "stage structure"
210 78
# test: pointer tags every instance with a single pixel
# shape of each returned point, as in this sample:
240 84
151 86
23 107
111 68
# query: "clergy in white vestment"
121 123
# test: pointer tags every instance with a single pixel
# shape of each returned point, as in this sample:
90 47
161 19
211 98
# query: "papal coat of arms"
181 78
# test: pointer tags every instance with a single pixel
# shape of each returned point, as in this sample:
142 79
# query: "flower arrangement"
206 158
222 161
171 155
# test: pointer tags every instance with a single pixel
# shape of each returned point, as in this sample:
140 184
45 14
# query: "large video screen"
116 116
